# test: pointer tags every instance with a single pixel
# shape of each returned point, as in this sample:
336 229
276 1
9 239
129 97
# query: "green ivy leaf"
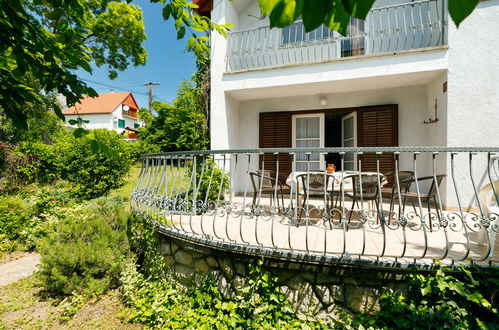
94 146
285 13
167 11
266 6
337 18
181 32
79 132
314 13
358 8
72 122
460 9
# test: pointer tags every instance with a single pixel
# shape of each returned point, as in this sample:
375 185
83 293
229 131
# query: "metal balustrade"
387 29
438 204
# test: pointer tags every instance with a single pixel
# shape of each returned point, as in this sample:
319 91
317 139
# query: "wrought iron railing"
387 29
437 203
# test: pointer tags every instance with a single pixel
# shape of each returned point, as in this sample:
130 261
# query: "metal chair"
364 188
264 183
313 184
431 195
405 180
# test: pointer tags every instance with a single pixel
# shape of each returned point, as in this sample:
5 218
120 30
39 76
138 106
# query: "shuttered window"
378 127
275 132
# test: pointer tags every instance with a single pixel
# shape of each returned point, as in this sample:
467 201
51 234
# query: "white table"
335 181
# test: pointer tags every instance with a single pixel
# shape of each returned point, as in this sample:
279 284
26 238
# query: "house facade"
112 111
406 76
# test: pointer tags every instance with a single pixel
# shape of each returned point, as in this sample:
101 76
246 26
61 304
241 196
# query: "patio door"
308 132
349 139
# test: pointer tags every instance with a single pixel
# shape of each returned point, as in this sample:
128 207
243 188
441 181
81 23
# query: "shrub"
86 252
37 162
14 216
141 147
97 162
164 303
440 301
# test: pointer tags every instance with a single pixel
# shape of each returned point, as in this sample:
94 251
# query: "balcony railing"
388 29
130 113
437 203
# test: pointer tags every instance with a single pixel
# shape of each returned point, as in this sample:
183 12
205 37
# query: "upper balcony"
390 29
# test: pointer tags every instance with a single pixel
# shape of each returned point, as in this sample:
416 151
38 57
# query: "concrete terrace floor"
367 240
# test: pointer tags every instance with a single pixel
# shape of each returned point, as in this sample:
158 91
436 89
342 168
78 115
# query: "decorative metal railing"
438 203
387 29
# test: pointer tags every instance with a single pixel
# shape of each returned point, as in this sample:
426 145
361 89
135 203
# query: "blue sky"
167 62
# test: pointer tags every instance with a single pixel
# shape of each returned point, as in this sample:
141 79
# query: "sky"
167 62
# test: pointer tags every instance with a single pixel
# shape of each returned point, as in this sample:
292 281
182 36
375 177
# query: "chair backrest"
403 176
365 183
262 180
433 187
314 183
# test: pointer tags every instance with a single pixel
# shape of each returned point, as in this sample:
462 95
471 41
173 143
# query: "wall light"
323 101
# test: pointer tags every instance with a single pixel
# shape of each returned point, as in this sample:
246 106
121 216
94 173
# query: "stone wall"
311 288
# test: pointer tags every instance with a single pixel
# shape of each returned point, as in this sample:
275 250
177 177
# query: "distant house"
112 111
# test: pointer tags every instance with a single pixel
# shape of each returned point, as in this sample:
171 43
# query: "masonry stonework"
316 289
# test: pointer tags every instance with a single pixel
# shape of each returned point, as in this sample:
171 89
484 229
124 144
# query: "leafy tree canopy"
336 14
49 39
180 126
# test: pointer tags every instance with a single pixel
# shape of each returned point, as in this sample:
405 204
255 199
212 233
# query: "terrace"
450 214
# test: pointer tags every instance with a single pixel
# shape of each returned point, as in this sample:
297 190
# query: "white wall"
412 104
473 91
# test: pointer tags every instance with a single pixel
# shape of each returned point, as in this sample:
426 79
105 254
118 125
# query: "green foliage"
181 126
13 217
38 162
213 181
96 162
30 215
86 252
164 303
96 171
440 301
336 14
141 147
49 39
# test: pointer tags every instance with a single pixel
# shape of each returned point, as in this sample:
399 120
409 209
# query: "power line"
115 87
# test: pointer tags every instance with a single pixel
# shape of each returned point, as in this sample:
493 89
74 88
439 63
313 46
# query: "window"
121 123
136 125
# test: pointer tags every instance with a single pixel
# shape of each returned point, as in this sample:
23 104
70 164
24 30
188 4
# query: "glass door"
349 139
308 132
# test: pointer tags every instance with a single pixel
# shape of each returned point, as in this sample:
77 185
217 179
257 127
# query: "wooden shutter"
275 132
378 127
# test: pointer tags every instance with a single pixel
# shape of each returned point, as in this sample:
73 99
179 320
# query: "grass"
23 306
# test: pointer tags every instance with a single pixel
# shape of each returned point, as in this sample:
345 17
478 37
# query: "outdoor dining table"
334 184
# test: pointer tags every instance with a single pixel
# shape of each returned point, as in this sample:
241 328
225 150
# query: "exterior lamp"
323 101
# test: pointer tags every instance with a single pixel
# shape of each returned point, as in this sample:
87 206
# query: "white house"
385 84
112 111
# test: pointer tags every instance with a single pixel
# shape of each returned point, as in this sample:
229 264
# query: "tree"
49 39
180 126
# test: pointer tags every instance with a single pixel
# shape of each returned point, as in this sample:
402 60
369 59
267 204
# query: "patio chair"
431 195
364 189
264 183
313 184
405 181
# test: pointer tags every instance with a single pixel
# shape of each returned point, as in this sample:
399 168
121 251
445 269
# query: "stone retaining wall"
311 288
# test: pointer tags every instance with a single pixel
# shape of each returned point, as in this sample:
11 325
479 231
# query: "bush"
440 301
37 162
141 147
164 303
14 216
97 162
86 252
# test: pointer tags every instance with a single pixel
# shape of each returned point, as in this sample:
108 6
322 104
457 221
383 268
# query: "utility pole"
150 84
